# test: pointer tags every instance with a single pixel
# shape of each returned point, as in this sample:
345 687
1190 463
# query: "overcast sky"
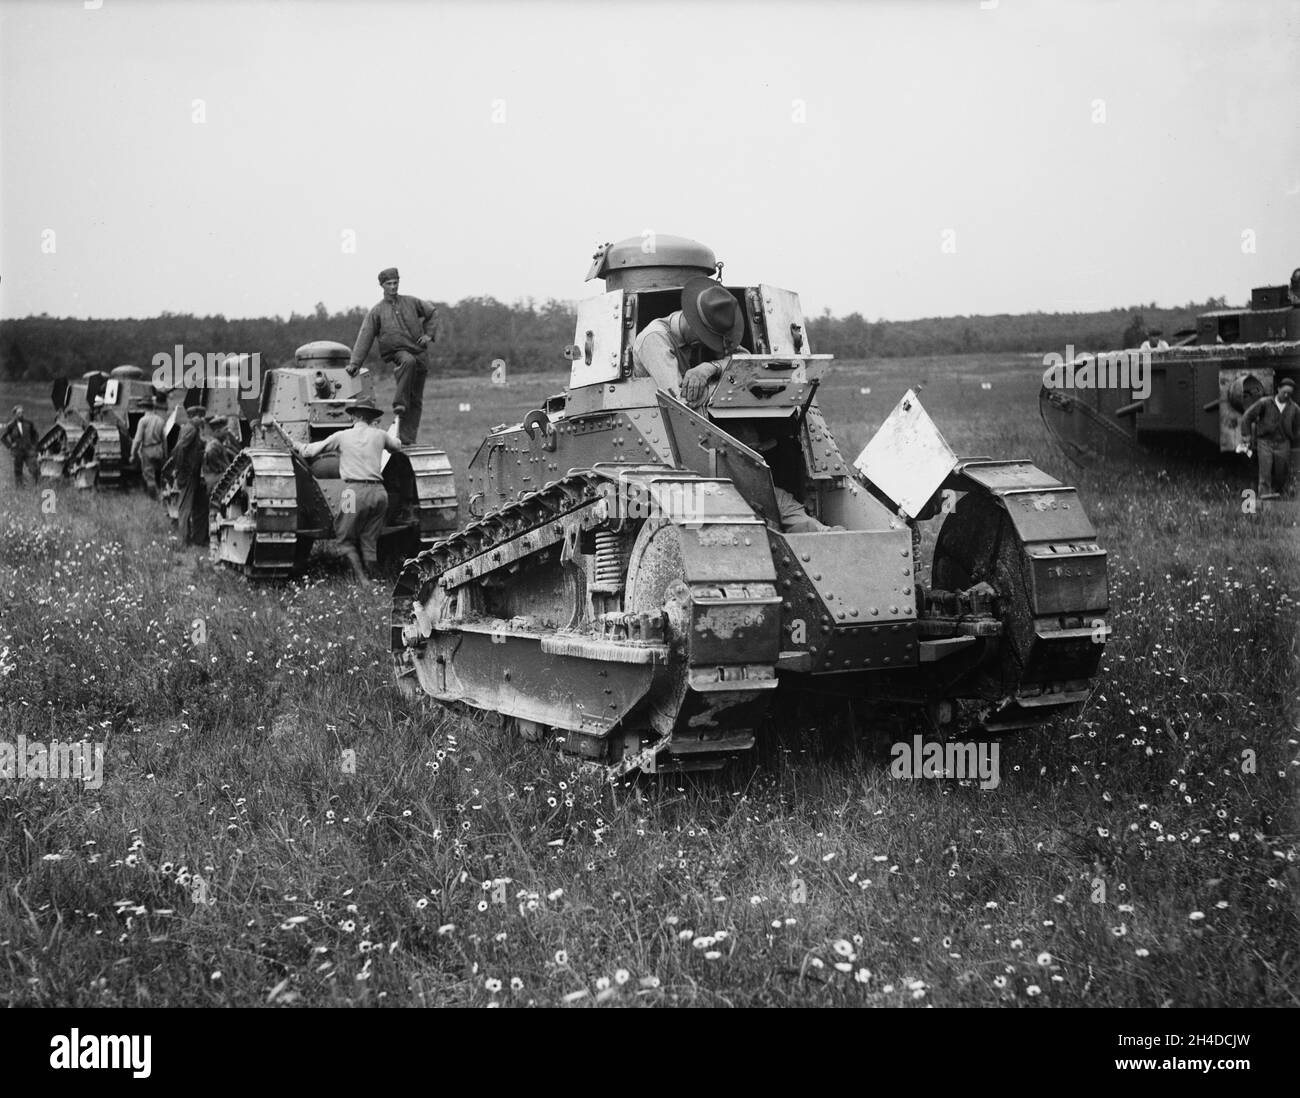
897 159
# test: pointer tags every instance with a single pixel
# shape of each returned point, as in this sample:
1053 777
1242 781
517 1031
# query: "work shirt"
20 434
658 352
148 434
1276 424
360 448
398 325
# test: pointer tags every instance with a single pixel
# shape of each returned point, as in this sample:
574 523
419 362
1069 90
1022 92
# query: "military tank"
1196 389
626 586
95 420
271 506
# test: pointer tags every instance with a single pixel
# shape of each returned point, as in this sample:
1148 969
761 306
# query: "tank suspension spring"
609 562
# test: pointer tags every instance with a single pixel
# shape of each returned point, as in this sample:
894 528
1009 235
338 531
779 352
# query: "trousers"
410 372
361 517
24 459
193 520
151 463
1274 466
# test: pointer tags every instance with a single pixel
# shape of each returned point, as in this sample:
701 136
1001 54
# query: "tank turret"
651 262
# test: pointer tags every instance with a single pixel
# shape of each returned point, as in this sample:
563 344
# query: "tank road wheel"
657 582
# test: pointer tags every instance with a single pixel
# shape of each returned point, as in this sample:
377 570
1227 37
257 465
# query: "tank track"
97 459
255 506
655 687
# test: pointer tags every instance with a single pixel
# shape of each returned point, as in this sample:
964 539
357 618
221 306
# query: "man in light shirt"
149 446
364 503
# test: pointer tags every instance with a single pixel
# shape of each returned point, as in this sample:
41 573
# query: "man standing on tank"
404 326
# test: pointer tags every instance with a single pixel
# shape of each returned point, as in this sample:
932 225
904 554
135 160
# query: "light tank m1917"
95 419
271 506
629 589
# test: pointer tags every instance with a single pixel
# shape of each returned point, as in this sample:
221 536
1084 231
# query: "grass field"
1140 853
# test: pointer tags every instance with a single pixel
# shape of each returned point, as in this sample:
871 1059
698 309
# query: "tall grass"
356 847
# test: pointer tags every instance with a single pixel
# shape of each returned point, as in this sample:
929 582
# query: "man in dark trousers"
188 462
20 437
404 326
1275 421
364 501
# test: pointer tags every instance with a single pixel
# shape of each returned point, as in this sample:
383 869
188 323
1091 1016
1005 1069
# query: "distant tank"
629 590
270 506
95 419
1199 386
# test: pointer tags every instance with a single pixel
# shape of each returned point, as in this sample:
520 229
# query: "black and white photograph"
568 505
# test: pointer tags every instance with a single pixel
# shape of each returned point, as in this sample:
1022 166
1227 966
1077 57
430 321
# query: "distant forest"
528 336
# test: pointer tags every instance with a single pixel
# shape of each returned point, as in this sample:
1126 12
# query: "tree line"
476 331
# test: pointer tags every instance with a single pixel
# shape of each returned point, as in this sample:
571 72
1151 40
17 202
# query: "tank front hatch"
651 262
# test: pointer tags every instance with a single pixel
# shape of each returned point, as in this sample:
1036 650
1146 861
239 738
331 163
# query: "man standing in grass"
404 326
364 500
1275 422
20 437
149 446
188 463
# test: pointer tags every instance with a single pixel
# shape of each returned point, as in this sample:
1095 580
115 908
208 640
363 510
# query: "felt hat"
713 314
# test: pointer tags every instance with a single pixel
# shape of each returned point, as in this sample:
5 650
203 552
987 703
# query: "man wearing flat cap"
364 502
404 326
1275 422
219 451
187 462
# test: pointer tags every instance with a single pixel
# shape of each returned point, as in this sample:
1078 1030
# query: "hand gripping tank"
627 586
270 505
94 422
1195 391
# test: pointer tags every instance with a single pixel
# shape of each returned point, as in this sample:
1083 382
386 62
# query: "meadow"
278 826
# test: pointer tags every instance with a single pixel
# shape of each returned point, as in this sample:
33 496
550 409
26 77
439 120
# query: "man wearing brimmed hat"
686 351
187 464
364 503
20 437
149 446
404 326
1275 423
